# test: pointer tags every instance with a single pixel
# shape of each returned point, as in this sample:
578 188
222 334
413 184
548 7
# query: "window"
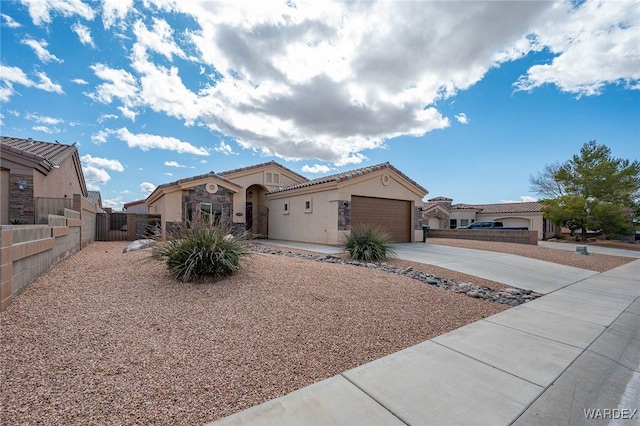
464 222
276 178
308 205
453 223
268 177
213 211
285 209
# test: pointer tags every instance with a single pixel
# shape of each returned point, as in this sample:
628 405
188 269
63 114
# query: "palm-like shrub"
201 249
368 243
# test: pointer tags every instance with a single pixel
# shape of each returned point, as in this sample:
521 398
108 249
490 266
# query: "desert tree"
592 190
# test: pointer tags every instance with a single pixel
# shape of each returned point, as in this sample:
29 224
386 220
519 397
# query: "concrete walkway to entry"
545 362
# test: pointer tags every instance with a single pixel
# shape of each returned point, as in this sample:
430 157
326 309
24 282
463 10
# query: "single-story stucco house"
33 172
270 200
440 213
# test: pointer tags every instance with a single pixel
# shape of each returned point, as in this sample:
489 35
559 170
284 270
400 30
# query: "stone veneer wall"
21 200
28 251
199 194
505 236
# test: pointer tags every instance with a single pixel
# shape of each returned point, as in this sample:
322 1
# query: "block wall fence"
28 251
505 236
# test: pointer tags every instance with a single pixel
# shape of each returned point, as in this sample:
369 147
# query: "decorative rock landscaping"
508 296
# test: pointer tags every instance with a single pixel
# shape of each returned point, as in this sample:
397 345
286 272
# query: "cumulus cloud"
115 10
95 175
147 187
40 49
43 119
224 148
41 10
103 163
146 142
80 81
462 118
174 164
332 80
523 199
83 33
11 75
595 43
9 21
316 168
46 129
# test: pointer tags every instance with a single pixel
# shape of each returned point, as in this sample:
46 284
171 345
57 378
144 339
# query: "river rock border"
508 296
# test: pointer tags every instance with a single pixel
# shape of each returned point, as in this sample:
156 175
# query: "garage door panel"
394 216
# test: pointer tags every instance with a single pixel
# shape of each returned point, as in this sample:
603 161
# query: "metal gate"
111 227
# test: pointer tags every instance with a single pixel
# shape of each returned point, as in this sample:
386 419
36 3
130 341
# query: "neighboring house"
95 197
273 201
440 213
138 207
32 171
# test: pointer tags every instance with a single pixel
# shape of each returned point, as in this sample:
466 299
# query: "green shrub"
17 222
199 249
368 243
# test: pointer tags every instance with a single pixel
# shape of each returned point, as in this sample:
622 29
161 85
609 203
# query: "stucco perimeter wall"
531 220
28 251
505 236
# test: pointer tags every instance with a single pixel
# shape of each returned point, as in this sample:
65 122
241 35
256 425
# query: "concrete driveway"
530 274
568 355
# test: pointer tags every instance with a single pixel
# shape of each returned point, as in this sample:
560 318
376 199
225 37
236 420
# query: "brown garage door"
394 216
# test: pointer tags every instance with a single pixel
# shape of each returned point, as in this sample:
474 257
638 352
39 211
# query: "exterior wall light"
22 185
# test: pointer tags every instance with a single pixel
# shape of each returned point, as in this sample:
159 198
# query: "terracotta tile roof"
257 166
198 177
528 207
351 174
49 154
431 204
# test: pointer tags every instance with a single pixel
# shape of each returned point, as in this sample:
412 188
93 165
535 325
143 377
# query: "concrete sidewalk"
544 362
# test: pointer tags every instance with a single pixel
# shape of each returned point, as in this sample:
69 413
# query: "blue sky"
467 98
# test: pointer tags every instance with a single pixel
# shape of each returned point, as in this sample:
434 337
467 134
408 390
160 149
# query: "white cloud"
80 81
83 33
11 75
462 118
224 148
40 49
46 129
40 10
316 168
147 187
146 142
95 174
10 22
173 164
115 10
596 43
523 199
120 84
105 117
116 203
43 119
102 163
101 137
159 39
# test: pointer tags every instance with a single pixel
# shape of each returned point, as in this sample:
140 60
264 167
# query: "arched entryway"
257 214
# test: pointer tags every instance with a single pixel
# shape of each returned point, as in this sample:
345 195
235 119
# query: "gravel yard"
109 337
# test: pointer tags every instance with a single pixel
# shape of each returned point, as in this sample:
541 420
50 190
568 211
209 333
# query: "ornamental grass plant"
368 243
201 249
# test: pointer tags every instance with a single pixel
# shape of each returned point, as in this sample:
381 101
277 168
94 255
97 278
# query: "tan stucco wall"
59 183
321 224
170 207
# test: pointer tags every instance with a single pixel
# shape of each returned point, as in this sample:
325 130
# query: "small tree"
593 190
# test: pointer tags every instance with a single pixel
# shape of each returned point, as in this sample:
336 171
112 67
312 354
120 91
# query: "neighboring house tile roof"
351 174
527 207
132 203
95 197
198 177
257 166
51 155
